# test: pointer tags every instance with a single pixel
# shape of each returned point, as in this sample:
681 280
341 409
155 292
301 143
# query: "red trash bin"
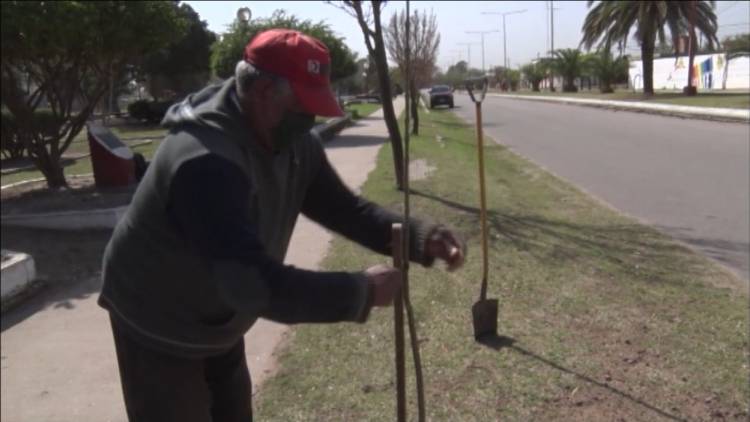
111 159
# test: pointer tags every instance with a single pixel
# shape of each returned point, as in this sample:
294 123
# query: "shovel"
484 311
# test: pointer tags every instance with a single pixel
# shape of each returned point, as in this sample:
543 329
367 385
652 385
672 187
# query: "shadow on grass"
628 249
450 124
498 343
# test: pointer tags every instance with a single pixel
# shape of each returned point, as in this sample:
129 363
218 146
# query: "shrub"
139 110
12 144
150 111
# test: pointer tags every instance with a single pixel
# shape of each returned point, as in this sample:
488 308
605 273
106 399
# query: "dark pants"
161 388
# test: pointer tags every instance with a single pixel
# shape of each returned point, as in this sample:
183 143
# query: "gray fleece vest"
156 285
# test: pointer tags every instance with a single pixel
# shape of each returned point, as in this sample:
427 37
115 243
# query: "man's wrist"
366 299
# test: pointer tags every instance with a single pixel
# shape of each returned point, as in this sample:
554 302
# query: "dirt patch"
81 194
420 170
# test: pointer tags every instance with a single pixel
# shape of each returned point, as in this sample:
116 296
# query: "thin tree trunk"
51 168
414 109
389 114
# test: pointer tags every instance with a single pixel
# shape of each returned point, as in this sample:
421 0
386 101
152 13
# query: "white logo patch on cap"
313 66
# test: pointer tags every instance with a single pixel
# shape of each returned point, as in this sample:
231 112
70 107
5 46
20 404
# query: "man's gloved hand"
384 282
443 244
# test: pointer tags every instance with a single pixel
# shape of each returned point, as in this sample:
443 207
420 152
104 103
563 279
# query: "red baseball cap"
303 61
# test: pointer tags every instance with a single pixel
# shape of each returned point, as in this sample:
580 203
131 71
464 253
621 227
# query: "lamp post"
244 14
482 33
505 45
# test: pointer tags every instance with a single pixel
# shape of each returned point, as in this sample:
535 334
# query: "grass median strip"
607 318
362 110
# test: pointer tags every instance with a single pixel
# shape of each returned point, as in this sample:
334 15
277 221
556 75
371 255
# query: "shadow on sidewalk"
498 343
353 141
69 264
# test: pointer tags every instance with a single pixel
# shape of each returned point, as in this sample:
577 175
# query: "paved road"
689 178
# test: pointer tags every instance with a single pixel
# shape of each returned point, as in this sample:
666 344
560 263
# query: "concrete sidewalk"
58 362
710 113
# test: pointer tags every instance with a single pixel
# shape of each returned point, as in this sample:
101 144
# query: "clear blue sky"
527 33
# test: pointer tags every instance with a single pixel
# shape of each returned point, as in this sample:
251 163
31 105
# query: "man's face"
275 102
281 115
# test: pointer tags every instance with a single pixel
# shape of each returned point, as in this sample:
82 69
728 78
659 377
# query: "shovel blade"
485 318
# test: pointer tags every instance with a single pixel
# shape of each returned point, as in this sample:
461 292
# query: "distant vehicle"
441 94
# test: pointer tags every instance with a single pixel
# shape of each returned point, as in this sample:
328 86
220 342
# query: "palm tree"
570 63
535 74
610 22
608 69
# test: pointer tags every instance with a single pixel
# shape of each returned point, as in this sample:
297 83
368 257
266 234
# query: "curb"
42 179
705 113
103 218
18 272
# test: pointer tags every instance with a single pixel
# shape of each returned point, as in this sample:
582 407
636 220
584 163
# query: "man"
198 256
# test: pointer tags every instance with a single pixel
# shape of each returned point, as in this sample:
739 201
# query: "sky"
527 33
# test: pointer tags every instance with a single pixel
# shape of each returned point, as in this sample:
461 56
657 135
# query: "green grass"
79 166
708 99
80 145
362 110
610 318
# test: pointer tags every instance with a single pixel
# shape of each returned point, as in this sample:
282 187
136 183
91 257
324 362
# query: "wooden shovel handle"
482 201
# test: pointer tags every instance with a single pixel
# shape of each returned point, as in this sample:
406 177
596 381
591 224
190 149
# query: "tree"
735 46
507 78
227 52
183 66
535 73
738 43
62 56
457 74
570 64
608 69
610 22
424 40
369 22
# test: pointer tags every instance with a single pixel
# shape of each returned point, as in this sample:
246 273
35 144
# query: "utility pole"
482 33
506 64
552 41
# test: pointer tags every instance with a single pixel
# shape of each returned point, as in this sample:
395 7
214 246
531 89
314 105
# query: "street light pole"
482 33
505 44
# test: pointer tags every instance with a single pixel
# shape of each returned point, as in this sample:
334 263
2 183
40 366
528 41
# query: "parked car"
441 94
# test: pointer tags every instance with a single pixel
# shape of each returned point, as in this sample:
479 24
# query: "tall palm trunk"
647 55
690 89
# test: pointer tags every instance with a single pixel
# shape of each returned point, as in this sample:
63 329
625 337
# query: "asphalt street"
688 178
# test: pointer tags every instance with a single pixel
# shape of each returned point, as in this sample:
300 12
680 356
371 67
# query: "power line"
728 7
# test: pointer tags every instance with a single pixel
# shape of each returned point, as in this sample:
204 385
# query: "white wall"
671 73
